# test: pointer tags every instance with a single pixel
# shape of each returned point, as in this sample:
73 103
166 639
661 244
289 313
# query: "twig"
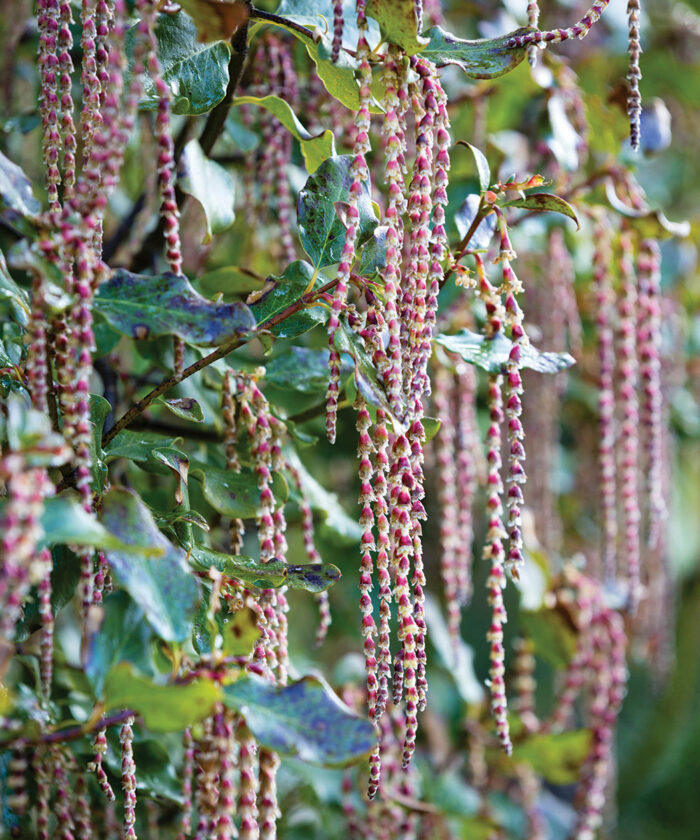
59 736
231 345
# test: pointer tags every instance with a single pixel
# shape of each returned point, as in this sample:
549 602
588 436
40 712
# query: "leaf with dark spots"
313 577
144 306
18 204
322 233
491 354
545 202
235 493
187 408
164 587
486 58
283 291
303 719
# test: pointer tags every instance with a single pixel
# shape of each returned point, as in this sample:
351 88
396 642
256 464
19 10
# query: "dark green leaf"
163 587
282 292
322 233
482 165
555 756
373 256
399 23
185 407
211 185
143 306
482 59
366 376
491 354
164 708
235 493
302 369
196 73
14 301
315 148
303 719
233 634
123 636
543 202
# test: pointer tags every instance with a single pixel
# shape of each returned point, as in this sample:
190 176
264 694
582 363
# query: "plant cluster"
231 238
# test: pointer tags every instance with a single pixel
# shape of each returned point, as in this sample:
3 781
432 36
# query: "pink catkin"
49 105
495 554
555 36
248 786
40 766
337 29
65 67
126 738
629 427
607 433
100 747
359 174
649 348
187 777
62 808
467 473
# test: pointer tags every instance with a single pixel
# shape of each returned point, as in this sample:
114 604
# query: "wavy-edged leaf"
315 148
196 73
491 354
235 493
217 21
482 165
312 577
398 22
211 185
321 232
144 306
284 290
140 446
164 708
303 369
164 587
485 58
303 719
543 203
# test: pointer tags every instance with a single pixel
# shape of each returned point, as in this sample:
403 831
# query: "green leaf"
235 493
233 634
303 719
482 165
312 577
322 233
336 525
18 204
144 306
164 708
491 354
29 257
302 369
399 23
315 148
545 202
555 756
338 77
366 377
284 290
185 407
66 522
164 587
123 636
483 59
196 73
373 256
28 431
229 281
141 447
211 185
650 223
